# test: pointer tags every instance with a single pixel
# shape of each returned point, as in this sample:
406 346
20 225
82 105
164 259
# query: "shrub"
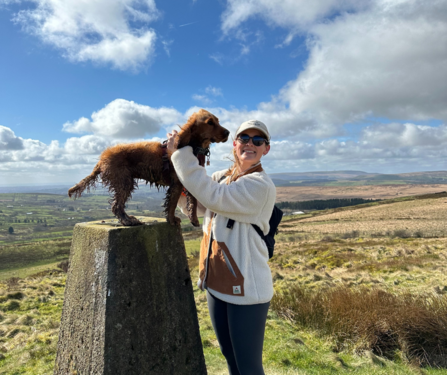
373 320
327 239
401 233
17 295
12 305
352 234
12 283
63 265
419 234
40 228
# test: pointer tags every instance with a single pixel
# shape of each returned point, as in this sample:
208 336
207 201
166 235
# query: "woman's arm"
243 200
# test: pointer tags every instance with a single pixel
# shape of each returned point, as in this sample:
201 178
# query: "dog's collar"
201 151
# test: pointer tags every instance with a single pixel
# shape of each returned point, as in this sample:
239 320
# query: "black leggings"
240 332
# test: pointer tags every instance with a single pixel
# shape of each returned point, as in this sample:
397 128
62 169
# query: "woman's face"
249 154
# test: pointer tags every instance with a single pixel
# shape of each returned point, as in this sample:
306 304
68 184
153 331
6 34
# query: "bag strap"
231 222
257 229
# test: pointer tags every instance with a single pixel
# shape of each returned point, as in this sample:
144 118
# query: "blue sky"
340 84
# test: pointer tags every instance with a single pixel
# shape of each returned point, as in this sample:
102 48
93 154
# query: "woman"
233 257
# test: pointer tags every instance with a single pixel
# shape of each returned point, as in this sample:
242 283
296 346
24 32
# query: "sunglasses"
257 140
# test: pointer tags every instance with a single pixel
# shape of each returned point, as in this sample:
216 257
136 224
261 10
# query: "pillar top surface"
109 224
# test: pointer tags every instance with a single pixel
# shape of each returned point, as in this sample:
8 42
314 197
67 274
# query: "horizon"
341 85
61 184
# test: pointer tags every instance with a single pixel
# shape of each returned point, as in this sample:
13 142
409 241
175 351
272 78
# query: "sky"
341 84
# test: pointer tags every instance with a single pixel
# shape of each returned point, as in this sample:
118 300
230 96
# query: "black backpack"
274 221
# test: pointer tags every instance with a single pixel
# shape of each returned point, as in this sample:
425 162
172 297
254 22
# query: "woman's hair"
233 170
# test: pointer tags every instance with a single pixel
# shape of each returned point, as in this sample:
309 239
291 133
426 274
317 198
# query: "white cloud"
214 91
202 98
291 14
382 148
288 150
8 140
245 49
52 163
167 46
334 154
280 120
125 119
217 57
208 99
405 135
86 145
383 59
387 62
103 31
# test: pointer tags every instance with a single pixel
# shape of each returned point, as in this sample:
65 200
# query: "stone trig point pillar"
129 304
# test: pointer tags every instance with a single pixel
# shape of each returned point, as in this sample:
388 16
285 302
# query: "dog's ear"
210 121
186 131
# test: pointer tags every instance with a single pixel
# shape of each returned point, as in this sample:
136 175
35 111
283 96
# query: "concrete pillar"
129 304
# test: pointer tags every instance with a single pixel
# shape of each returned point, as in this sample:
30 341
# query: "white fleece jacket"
248 200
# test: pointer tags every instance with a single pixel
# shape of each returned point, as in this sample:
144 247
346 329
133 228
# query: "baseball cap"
253 124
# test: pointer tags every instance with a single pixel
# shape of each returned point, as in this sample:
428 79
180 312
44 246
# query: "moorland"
360 289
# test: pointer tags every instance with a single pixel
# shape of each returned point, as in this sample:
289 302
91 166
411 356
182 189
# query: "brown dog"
121 166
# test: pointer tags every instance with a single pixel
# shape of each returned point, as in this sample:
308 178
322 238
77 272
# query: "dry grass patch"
372 320
416 218
298 193
419 265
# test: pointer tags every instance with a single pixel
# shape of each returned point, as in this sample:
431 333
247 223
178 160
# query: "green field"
43 225
50 216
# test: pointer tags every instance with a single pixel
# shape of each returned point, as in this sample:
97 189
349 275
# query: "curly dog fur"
121 166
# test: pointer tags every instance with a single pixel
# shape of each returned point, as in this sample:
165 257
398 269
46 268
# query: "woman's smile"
249 154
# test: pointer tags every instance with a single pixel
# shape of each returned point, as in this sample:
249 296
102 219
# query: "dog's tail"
87 183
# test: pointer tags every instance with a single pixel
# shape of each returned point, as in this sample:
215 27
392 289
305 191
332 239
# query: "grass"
365 182
365 319
290 348
365 293
15 259
28 330
26 271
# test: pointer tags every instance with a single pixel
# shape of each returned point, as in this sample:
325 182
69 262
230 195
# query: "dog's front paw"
135 221
195 223
131 221
174 220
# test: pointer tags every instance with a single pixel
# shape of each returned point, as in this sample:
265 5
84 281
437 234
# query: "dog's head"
201 130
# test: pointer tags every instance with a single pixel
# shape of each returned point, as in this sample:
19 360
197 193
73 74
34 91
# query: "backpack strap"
230 223
269 240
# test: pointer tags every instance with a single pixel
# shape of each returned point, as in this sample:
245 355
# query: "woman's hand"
172 141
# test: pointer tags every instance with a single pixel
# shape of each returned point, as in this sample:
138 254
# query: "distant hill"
143 189
356 178
324 178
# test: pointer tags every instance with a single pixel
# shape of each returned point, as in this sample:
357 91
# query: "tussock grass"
29 332
372 320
